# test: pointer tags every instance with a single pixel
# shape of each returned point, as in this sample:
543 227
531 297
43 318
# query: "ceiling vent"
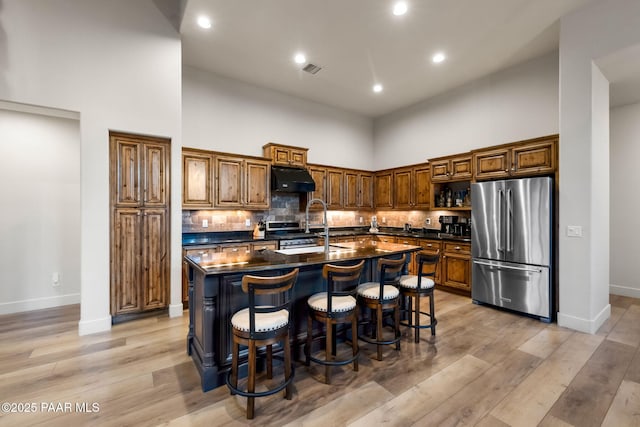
311 68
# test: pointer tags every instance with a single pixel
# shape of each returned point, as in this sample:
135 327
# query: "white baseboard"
624 291
176 310
38 303
589 326
93 326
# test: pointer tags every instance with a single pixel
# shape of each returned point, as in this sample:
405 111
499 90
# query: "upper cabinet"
335 188
525 158
319 175
139 170
197 176
383 189
358 190
241 182
285 155
451 168
411 187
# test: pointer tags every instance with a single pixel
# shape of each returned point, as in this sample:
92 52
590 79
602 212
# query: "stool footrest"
279 387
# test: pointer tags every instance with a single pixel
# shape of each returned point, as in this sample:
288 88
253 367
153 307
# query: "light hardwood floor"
485 367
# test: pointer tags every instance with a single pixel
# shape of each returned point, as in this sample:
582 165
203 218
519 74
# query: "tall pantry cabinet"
139 199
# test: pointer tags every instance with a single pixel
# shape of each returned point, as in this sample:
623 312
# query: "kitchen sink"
313 250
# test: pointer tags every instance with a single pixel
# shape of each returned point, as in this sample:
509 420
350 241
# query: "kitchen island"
215 293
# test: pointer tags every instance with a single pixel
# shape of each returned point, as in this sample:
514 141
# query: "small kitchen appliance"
447 223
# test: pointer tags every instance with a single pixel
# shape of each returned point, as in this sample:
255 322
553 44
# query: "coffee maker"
448 223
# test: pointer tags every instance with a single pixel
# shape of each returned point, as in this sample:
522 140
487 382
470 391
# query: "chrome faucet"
325 223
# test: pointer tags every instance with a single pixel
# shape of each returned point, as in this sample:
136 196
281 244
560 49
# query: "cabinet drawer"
235 249
386 239
405 241
461 248
430 245
271 245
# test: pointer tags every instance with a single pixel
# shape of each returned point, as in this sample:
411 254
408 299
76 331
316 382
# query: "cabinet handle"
429 245
458 248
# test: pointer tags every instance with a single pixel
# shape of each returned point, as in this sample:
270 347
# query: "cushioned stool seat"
410 281
372 290
264 321
320 302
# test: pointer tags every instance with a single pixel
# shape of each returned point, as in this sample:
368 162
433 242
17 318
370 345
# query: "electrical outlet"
55 279
427 221
205 223
384 220
247 222
361 220
574 231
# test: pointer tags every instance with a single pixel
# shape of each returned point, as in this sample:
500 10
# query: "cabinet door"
456 271
228 186
433 247
351 189
125 261
281 155
334 188
155 259
492 163
461 168
422 187
156 180
384 190
534 159
403 188
440 170
257 184
197 177
126 159
319 177
298 157
366 191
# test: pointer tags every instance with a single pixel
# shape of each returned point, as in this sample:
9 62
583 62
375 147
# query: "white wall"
624 200
40 193
227 115
511 105
597 30
117 63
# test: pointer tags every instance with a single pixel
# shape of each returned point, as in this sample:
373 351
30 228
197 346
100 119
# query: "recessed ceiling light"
300 58
400 8
438 57
377 88
204 22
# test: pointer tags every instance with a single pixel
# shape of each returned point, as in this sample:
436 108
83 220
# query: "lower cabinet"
456 266
139 260
431 247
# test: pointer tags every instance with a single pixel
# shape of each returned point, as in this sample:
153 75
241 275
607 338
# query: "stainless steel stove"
290 234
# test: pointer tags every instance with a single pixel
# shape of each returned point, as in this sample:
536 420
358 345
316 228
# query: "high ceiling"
358 43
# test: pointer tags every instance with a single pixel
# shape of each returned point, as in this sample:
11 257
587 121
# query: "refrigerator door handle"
508 267
509 221
500 220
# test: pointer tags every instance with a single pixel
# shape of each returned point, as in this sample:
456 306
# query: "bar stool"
416 286
259 326
383 296
336 306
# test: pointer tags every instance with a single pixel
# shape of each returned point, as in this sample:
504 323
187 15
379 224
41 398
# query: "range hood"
291 180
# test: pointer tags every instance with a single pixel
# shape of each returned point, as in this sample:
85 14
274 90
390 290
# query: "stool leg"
354 337
269 361
417 340
410 311
432 314
379 329
396 311
287 367
307 350
328 350
251 381
235 355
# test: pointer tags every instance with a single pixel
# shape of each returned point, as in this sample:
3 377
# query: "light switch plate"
247 222
574 231
205 223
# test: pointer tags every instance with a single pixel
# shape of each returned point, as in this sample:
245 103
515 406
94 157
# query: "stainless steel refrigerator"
511 245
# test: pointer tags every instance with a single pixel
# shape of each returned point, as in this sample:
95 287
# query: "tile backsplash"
286 207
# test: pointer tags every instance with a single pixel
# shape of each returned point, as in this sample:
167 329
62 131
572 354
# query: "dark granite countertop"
217 238
214 263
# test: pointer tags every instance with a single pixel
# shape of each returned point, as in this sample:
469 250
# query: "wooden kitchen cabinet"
139 201
285 155
319 175
383 189
412 187
451 168
525 158
431 247
335 188
358 190
241 183
456 266
197 177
